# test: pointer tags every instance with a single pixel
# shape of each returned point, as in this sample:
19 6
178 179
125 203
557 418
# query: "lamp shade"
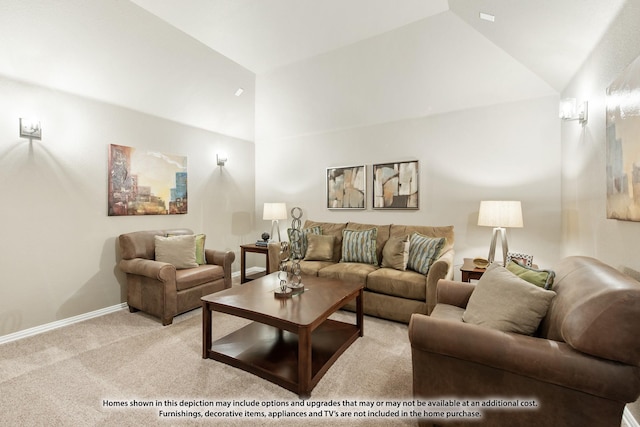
500 214
274 211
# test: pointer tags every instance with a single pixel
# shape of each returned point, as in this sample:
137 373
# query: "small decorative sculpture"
265 236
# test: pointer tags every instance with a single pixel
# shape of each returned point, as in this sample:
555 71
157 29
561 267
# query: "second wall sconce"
220 160
572 110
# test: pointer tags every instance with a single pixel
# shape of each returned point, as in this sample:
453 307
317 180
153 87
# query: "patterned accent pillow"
295 254
359 246
423 250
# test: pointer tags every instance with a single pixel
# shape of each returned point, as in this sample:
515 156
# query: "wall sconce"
571 110
30 128
220 160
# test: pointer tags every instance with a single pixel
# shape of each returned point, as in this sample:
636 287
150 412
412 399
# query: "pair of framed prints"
395 186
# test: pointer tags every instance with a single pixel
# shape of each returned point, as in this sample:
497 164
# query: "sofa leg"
132 309
167 321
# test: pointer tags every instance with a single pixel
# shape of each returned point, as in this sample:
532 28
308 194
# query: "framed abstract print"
395 185
346 187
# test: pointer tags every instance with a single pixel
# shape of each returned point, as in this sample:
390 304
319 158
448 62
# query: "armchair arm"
454 293
442 268
157 270
539 359
224 259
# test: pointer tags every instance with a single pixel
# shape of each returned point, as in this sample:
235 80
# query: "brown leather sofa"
157 288
581 367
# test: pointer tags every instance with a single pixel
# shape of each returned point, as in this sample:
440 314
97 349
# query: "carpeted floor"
79 374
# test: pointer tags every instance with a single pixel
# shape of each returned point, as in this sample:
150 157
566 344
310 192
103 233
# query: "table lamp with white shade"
500 215
274 212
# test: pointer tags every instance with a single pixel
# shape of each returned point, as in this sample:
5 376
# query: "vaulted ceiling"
550 37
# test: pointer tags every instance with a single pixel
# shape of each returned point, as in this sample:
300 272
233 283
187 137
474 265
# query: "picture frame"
524 259
396 185
346 187
31 129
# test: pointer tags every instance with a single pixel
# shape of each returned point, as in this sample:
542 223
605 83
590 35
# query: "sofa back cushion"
446 231
141 244
596 310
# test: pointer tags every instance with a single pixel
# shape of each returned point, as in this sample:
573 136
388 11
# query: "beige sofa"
389 293
158 288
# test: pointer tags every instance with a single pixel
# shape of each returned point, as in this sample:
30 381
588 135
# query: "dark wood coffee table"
291 342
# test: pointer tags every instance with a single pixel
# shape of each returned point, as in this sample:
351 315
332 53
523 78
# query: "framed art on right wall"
395 185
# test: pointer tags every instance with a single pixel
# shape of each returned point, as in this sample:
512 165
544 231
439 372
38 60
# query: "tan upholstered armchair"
581 366
158 288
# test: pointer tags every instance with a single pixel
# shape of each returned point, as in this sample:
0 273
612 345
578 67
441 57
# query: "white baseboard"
628 418
60 323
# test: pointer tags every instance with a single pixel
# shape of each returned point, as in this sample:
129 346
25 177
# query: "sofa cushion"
177 250
542 278
295 254
405 284
395 253
351 271
359 246
447 232
191 277
503 301
423 250
381 238
319 247
330 229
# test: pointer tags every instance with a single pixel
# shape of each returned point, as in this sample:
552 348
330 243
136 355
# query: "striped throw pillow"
423 251
359 246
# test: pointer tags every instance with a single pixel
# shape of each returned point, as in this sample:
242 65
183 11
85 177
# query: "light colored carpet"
63 377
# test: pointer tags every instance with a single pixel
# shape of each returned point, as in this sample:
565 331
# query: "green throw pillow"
542 278
295 254
359 246
423 250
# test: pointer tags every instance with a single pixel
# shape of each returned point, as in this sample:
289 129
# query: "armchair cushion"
503 301
179 251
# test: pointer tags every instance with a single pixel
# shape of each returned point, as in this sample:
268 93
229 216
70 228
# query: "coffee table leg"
304 363
206 330
360 312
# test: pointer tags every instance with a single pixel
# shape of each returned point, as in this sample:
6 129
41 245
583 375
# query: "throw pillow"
359 246
423 250
319 247
200 256
395 253
299 253
177 250
503 301
542 278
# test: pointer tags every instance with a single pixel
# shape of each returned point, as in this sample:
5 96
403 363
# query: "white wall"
586 230
481 125
58 252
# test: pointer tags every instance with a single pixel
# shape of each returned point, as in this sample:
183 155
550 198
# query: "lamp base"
505 248
274 223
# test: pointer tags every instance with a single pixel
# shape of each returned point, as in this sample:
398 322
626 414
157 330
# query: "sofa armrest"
274 249
157 270
536 358
442 268
221 258
454 293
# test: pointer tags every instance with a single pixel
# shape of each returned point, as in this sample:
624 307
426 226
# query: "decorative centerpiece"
296 250
283 290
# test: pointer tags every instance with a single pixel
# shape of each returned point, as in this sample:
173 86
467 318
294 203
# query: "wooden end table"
291 342
470 271
252 247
